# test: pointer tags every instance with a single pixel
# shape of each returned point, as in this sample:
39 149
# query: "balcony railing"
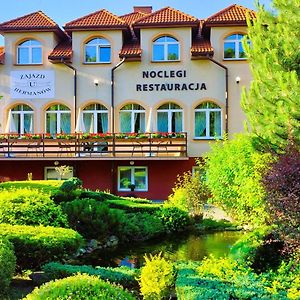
117 145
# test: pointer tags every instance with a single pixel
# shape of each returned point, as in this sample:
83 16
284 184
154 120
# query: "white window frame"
95 113
98 46
237 43
170 111
207 128
58 113
165 45
30 48
53 168
22 115
132 168
133 112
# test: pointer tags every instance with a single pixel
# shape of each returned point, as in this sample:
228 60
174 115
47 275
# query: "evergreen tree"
272 104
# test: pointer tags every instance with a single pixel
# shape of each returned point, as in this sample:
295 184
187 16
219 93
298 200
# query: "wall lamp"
96 82
237 79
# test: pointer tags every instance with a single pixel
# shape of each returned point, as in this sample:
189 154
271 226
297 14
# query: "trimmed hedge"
46 186
79 287
132 206
124 276
35 246
7 264
30 207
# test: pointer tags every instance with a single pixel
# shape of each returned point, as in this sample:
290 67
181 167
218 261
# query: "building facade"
128 102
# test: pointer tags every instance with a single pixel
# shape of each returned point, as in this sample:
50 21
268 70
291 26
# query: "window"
165 48
233 47
132 118
97 50
29 52
137 176
208 121
169 118
58 119
52 174
95 118
22 119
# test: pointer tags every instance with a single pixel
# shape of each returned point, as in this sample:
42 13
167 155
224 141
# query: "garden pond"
182 247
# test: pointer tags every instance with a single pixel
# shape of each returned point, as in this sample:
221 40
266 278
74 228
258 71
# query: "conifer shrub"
79 287
7 264
36 245
157 278
30 207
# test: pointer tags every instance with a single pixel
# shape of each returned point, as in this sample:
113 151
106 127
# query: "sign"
169 86
32 84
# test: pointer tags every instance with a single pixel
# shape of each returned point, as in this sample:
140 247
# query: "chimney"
143 9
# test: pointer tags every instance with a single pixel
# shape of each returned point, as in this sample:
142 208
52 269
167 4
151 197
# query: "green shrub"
124 276
91 218
87 194
45 186
234 173
173 218
157 278
30 207
7 264
71 185
68 191
133 206
35 246
79 287
140 226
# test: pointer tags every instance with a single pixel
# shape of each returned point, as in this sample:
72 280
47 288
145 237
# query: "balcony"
93 146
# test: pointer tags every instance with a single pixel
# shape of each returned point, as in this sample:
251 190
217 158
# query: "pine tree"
272 104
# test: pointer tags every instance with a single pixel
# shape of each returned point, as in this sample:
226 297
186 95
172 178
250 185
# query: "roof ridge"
94 13
48 18
134 12
221 11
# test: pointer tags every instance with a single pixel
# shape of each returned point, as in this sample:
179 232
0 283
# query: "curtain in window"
125 121
162 121
87 121
65 123
79 122
200 124
28 123
216 123
178 121
51 124
104 122
139 122
15 123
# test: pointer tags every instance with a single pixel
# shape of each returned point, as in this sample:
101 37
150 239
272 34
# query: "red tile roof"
133 17
201 47
36 21
231 15
131 49
101 19
166 17
63 51
2 55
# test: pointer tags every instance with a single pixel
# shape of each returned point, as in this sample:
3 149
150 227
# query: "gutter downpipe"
226 90
75 88
113 119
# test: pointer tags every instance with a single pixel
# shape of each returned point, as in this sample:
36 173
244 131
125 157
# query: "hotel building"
128 102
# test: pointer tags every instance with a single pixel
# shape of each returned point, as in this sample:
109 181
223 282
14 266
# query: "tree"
273 100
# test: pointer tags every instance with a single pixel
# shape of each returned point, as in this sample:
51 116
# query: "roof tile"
166 17
36 21
63 51
201 47
231 15
131 49
101 19
2 55
133 17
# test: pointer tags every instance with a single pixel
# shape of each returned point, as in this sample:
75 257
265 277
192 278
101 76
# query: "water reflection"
182 247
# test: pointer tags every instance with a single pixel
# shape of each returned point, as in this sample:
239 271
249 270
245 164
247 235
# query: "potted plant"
131 186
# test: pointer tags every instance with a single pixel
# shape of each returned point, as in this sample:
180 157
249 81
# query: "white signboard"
32 84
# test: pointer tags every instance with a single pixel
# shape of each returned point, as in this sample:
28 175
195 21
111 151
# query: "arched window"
97 50
132 118
233 47
22 118
58 119
208 121
29 52
169 118
95 118
165 48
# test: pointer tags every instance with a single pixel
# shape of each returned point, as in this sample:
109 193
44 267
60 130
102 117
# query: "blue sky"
63 11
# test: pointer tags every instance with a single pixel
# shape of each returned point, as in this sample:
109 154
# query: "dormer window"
233 47
29 52
98 50
165 48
